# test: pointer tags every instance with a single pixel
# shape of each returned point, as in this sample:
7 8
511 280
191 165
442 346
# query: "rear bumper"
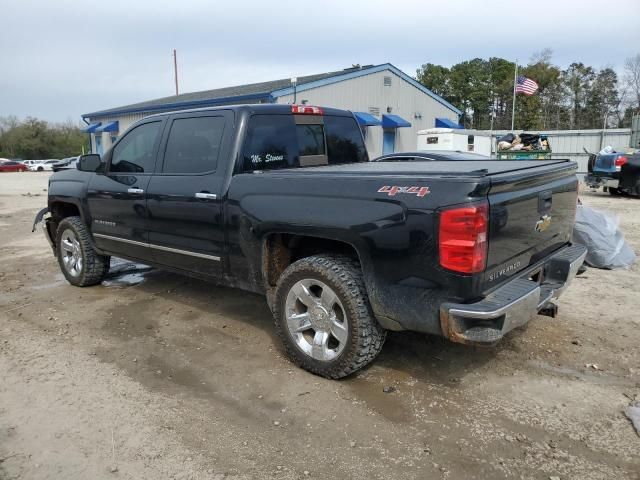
513 304
595 181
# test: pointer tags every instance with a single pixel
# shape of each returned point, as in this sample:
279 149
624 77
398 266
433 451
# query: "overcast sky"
60 58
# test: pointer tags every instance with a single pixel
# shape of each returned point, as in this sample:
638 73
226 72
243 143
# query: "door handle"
206 195
136 191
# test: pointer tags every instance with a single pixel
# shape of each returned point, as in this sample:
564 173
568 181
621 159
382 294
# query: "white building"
390 105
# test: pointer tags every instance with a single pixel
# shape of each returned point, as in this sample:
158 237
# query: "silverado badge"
543 223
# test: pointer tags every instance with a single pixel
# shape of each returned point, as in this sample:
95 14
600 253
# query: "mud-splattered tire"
359 333
81 265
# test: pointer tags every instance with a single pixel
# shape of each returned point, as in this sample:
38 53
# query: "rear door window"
194 145
271 143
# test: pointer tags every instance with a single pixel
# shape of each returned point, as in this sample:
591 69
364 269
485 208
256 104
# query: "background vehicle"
454 139
282 200
11 166
65 163
44 165
610 168
30 163
431 155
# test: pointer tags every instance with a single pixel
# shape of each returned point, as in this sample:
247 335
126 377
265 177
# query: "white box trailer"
454 139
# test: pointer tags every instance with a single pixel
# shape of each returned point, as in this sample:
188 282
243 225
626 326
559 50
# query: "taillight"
620 161
306 110
463 238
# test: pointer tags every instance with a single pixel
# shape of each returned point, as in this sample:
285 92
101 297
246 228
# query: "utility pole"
513 105
175 68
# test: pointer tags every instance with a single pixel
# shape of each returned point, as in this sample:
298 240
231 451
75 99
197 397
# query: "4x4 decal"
392 191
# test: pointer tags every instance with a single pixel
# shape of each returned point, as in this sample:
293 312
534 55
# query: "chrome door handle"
136 191
206 196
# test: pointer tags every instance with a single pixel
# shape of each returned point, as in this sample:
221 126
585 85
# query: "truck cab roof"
261 108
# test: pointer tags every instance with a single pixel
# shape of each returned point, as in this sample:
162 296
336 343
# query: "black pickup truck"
283 200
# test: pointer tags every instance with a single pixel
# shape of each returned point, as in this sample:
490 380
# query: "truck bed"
474 168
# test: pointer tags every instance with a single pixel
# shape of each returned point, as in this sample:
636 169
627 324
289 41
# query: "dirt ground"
156 376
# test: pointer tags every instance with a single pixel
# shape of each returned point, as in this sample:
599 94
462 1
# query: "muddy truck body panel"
466 249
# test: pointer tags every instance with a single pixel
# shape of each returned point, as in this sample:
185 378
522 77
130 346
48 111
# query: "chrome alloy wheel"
316 319
71 253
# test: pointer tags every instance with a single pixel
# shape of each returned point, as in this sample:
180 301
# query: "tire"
334 287
40 169
79 262
615 192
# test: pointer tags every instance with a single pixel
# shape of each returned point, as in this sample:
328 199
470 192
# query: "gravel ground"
156 376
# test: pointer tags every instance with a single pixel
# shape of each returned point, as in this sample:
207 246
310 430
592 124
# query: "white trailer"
454 139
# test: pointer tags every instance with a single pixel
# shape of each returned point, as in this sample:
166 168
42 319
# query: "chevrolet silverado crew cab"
282 200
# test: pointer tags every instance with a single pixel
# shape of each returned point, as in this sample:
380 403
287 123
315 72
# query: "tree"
37 139
577 79
632 79
602 99
580 96
435 78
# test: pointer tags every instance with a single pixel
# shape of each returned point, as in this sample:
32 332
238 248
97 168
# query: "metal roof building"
390 105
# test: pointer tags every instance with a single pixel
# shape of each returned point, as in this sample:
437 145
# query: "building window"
387 81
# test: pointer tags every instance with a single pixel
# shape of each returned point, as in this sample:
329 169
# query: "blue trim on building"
394 121
366 119
446 123
92 127
108 127
182 105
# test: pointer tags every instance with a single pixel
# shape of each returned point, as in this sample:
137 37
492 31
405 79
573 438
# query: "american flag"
526 85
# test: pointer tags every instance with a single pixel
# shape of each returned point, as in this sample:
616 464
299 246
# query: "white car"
42 165
30 163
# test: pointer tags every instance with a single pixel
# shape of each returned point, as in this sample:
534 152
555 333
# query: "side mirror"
90 163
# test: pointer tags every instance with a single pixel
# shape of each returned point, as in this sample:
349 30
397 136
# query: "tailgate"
605 163
532 213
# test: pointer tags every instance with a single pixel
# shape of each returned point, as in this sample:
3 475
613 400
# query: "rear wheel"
81 265
616 192
323 316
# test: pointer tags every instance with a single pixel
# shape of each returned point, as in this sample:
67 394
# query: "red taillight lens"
306 110
463 238
621 161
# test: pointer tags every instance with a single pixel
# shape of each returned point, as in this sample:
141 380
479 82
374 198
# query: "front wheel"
81 265
615 192
323 316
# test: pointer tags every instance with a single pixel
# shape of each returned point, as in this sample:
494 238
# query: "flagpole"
513 106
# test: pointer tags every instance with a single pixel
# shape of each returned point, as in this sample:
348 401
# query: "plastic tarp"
599 232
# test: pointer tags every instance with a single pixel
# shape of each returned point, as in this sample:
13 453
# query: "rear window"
276 141
310 139
344 140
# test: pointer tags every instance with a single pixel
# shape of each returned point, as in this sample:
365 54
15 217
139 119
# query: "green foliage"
579 96
37 139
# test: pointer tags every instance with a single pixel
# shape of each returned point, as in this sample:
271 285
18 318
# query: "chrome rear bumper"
513 304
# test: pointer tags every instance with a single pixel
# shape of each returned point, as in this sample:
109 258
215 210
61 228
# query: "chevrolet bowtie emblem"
543 223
